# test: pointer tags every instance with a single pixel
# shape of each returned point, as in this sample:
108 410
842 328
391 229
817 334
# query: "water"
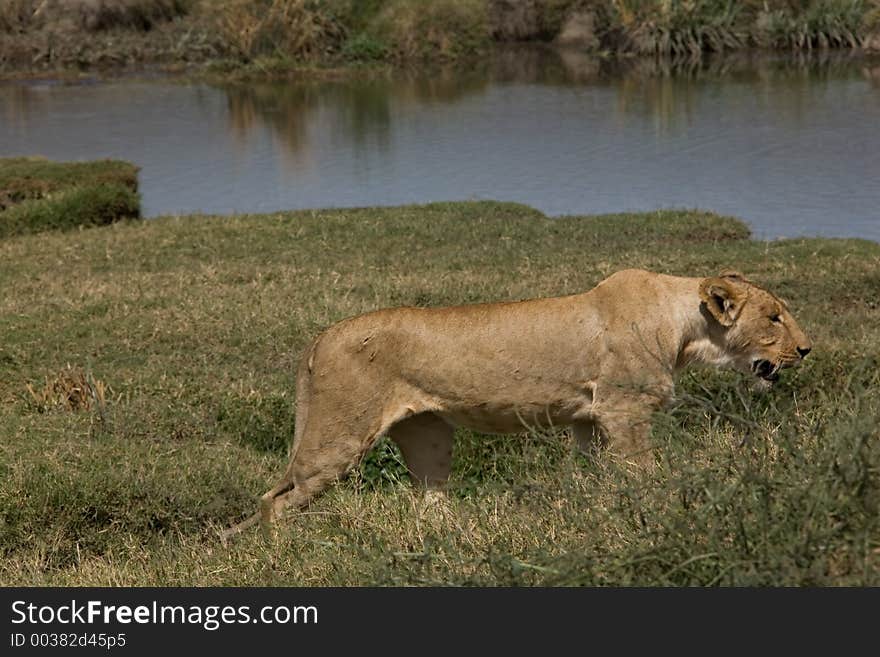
792 148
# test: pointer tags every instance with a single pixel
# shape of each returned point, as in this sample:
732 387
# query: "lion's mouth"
766 370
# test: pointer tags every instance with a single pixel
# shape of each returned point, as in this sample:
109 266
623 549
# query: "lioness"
600 362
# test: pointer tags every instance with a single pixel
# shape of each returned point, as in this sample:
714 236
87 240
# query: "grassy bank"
340 33
146 400
38 195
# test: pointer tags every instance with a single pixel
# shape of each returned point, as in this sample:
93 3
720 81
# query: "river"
792 147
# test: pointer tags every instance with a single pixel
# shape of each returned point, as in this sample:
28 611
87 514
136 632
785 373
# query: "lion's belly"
491 418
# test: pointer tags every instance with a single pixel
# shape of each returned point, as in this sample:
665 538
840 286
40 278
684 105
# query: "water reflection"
668 91
788 143
360 111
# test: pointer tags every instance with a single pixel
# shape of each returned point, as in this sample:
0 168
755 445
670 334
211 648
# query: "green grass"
183 333
38 195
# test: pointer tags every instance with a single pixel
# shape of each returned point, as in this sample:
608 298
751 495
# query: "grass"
146 400
443 29
18 15
301 35
38 195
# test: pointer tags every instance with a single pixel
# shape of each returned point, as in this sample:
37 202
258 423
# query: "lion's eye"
776 319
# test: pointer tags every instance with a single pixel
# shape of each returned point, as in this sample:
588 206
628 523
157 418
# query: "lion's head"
761 336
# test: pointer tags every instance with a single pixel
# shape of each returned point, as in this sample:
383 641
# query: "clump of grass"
298 29
819 24
365 47
24 178
71 389
443 29
691 27
680 27
38 195
79 206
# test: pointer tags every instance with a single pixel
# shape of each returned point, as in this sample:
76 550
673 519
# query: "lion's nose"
803 351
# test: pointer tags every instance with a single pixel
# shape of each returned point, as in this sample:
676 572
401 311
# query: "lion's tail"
303 394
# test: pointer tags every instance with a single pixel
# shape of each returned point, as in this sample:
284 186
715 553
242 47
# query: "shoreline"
596 65
242 39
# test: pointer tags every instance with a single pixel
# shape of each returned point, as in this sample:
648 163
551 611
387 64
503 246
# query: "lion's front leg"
625 424
588 435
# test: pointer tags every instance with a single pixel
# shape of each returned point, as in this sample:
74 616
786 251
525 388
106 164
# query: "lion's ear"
734 275
724 298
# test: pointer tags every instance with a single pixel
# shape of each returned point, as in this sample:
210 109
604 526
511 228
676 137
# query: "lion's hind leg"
317 463
426 443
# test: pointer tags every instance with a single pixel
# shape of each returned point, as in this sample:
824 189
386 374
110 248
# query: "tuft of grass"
196 323
365 47
38 195
71 389
680 28
820 24
441 29
296 29
690 28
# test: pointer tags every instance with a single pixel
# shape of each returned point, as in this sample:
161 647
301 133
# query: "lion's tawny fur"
600 362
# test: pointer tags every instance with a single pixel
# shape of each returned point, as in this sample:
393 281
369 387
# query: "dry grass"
89 15
97 15
15 15
296 29
71 389
444 29
286 34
